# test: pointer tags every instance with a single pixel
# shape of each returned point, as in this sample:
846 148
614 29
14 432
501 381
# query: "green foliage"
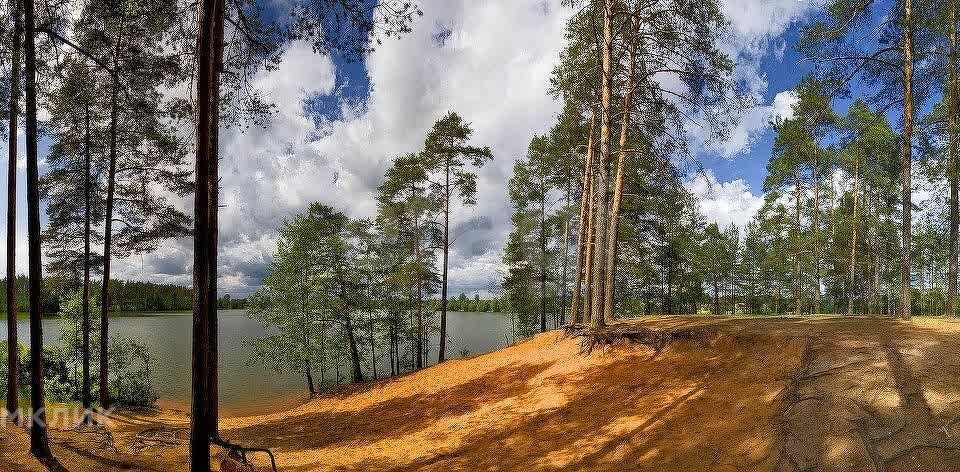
130 379
131 382
462 303
312 292
48 299
131 296
76 159
134 39
227 302
533 246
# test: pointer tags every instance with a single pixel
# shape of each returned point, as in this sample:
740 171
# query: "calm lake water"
247 385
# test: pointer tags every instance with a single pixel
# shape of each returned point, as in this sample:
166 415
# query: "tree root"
591 339
161 436
879 464
788 397
102 436
242 451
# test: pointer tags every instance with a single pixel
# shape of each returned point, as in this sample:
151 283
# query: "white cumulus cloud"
724 203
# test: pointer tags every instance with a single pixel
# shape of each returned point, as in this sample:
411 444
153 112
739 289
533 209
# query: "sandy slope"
753 394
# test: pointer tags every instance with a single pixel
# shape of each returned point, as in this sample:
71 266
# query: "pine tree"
530 244
13 351
445 156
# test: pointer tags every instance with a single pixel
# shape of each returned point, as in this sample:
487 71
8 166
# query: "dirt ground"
760 394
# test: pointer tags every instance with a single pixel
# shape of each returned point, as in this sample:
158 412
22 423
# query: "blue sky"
782 73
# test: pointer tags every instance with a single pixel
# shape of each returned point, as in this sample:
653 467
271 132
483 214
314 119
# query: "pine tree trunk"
602 169
308 370
391 334
419 344
373 349
670 288
590 257
612 246
307 333
798 283
583 229
566 265
446 253
13 351
951 308
209 48
853 241
543 260
907 158
213 229
39 444
815 227
716 297
86 397
357 373
108 231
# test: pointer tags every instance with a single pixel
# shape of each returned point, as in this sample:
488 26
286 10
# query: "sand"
752 394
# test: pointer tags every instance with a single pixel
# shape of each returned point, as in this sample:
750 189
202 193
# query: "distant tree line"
130 296
476 304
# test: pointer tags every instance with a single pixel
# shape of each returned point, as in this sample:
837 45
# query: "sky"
339 125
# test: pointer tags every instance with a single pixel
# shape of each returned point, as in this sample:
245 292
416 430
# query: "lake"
247 386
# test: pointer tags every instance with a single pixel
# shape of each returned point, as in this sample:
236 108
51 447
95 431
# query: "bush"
130 380
131 384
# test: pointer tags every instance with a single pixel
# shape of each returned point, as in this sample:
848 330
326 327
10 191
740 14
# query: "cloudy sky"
339 125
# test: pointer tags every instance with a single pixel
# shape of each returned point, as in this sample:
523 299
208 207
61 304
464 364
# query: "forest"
126 296
124 104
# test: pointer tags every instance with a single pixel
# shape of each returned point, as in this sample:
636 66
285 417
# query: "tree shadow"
389 418
659 414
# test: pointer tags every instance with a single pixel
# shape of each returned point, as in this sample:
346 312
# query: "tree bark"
907 158
716 296
373 348
357 372
209 47
559 314
602 168
853 242
612 246
543 258
39 443
13 351
951 308
86 397
583 229
309 373
108 230
213 228
670 287
590 256
798 282
446 253
815 227
419 342
307 332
